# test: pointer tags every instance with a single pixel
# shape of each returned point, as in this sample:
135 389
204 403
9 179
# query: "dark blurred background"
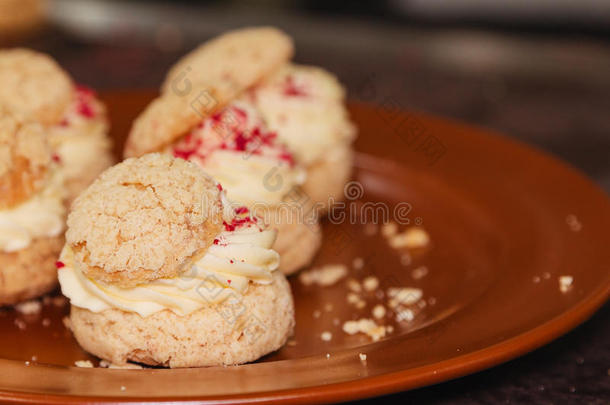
535 70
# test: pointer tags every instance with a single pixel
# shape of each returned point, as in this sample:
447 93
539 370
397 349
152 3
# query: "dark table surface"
551 90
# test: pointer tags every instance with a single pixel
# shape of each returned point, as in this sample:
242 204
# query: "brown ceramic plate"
505 221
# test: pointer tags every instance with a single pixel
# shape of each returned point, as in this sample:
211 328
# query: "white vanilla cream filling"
41 216
236 258
251 179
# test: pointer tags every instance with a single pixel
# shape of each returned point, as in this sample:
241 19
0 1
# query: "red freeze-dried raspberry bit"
216 241
240 221
59 264
84 96
235 135
287 157
55 157
291 89
219 187
241 210
188 147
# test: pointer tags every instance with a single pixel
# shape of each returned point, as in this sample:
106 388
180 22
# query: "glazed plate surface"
505 222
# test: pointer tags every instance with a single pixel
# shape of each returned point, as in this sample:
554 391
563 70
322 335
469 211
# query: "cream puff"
34 86
32 212
160 270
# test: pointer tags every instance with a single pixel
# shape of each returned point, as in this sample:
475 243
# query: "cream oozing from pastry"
305 105
236 148
40 216
241 254
80 137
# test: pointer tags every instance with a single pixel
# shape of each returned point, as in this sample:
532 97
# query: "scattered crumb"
316 314
291 343
431 301
352 298
362 356
355 300
354 285
565 283
34 358
123 388
326 336
403 296
126 366
83 364
27 363
327 356
358 263
29 307
379 311
546 275
351 327
405 259
46 322
324 276
405 315
370 229
20 324
412 238
328 307
420 272
536 279
389 329
336 321
573 223
366 326
389 229
370 283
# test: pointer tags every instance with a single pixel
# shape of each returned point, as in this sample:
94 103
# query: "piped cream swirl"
235 259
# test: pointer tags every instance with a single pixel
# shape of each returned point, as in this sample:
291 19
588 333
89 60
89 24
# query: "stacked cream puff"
32 210
35 87
54 143
168 273
283 152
